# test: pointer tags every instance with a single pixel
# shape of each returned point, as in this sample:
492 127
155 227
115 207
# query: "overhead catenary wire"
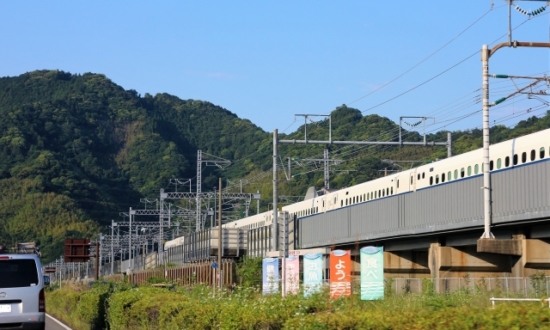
465 105
426 58
433 77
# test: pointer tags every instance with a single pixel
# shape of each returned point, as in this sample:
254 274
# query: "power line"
425 59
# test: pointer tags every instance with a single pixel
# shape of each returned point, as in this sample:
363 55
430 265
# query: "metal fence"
506 286
188 274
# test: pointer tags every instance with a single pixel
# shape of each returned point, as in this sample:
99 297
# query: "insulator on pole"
538 11
502 99
530 13
521 10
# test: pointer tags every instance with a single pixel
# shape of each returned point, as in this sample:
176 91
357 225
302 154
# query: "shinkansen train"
516 152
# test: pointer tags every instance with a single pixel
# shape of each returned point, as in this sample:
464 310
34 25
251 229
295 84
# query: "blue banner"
313 273
270 276
372 273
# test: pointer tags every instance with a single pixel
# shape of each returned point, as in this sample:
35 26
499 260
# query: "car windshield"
17 273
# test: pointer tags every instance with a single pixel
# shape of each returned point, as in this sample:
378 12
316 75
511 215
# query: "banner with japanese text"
270 276
340 273
292 276
313 273
372 273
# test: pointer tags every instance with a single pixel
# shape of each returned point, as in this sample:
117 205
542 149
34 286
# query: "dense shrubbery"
82 306
245 308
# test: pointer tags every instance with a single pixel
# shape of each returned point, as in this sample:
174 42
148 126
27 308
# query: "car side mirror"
46 280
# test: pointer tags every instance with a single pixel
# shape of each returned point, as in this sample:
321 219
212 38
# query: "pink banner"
292 284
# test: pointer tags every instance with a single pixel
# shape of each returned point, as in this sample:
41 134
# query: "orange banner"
340 273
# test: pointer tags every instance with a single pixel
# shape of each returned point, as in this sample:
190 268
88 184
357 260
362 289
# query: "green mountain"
75 150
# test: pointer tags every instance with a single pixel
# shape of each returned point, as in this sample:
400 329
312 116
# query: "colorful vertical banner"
372 273
340 273
292 278
270 276
313 273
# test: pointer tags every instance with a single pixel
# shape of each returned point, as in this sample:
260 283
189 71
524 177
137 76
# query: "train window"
456 174
342 203
442 177
491 165
449 175
523 157
422 175
499 163
462 172
418 176
515 159
317 209
397 184
323 203
365 196
387 191
431 180
541 153
533 155
391 190
469 170
437 179
507 161
476 168
412 178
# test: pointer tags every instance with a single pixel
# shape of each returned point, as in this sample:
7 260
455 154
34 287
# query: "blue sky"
269 60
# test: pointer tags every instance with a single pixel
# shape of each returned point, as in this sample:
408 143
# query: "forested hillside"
75 150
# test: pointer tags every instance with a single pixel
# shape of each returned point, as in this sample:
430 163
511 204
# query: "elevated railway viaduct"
434 232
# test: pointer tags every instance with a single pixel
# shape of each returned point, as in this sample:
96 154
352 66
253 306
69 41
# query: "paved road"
53 324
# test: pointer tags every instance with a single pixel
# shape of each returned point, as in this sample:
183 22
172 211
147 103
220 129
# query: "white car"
22 301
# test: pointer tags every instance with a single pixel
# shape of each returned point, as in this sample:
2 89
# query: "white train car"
504 155
511 153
